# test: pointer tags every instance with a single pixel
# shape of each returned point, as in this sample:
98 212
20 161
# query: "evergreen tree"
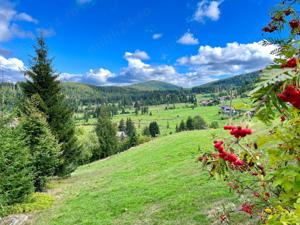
106 133
177 128
154 129
181 126
122 126
43 81
44 149
130 129
146 131
189 123
133 140
16 178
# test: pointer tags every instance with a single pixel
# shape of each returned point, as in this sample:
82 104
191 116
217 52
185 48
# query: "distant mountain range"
240 81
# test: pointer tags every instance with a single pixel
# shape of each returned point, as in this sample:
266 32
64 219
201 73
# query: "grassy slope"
156 183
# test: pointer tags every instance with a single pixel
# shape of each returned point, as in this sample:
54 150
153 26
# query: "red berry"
294 23
232 158
238 162
291 63
247 208
287 12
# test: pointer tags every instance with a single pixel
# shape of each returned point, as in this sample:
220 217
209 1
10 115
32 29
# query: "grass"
158 182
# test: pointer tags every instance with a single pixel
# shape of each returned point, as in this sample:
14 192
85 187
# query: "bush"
37 201
214 125
199 123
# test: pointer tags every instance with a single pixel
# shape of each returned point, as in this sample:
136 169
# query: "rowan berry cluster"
238 132
292 95
227 156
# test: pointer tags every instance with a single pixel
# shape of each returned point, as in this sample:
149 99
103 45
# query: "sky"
119 42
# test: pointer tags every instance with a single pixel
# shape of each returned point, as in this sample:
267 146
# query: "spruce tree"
43 147
15 173
130 129
44 82
189 123
181 126
106 133
154 129
122 126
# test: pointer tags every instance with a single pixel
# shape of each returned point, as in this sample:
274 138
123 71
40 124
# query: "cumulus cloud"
11 69
137 54
96 77
188 39
157 36
139 71
8 18
232 59
208 9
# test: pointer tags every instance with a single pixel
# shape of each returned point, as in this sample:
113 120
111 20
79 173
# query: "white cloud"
188 39
96 77
157 36
12 69
138 54
232 59
100 76
82 2
208 9
25 17
8 19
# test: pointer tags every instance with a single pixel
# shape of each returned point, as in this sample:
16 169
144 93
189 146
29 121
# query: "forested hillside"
241 83
153 85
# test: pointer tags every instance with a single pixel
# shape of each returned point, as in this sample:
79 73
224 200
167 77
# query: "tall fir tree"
106 132
130 129
43 81
189 123
122 126
154 129
181 126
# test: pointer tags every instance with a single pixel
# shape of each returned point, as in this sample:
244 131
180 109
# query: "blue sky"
117 42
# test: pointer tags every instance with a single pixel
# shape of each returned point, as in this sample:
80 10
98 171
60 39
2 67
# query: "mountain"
242 83
153 85
158 182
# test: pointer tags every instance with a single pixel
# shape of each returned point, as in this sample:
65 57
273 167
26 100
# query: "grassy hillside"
153 85
156 183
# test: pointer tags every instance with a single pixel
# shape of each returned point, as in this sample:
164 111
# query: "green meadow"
159 182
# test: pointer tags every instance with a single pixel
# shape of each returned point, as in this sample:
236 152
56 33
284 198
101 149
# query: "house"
121 134
224 98
227 109
208 102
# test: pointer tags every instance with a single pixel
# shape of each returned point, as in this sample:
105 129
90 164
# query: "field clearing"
168 119
155 183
